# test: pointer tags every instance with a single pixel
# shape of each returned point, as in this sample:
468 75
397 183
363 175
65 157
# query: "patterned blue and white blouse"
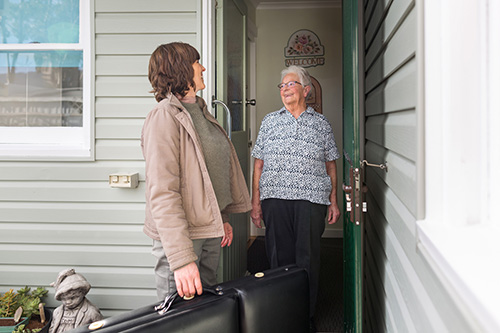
294 152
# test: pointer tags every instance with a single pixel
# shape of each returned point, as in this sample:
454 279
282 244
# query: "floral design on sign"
304 43
304 49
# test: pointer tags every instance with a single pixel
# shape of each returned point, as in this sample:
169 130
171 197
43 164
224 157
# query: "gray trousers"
208 252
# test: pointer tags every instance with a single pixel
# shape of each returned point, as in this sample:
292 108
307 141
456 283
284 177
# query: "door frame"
207 52
233 263
352 58
353 286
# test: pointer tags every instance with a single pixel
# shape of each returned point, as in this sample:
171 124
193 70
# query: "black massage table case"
277 301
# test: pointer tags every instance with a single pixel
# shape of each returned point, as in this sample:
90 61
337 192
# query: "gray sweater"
216 151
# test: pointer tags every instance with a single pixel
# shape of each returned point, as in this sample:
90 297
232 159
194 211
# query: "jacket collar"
185 118
174 100
183 113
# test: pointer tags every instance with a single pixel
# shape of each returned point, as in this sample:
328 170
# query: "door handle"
228 115
247 102
354 195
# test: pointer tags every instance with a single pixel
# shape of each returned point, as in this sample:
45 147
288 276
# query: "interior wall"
275 26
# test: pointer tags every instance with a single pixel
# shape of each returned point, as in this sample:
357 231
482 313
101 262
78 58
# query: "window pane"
41 88
39 21
235 58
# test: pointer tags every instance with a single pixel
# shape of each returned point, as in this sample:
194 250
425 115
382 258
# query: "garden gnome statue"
76 309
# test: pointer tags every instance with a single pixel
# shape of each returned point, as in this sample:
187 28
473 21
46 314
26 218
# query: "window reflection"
235 58
39 21
41 88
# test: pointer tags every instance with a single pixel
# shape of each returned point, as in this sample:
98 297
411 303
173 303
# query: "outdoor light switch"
124 180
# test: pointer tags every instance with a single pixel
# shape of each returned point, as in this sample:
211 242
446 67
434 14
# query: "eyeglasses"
290 84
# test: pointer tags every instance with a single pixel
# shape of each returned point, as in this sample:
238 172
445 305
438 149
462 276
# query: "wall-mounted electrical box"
124 180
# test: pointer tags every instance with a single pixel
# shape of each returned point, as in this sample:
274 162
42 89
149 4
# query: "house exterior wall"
57 215
403 291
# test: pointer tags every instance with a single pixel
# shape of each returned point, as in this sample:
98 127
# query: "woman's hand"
228 235
333 209
256 215
333 213
187 280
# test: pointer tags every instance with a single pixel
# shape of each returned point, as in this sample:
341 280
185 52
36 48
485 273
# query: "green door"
351 138
231 91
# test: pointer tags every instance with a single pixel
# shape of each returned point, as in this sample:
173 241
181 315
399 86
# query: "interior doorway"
277 24
336 29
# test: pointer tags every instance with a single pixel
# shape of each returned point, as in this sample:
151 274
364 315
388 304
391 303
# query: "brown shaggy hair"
171 69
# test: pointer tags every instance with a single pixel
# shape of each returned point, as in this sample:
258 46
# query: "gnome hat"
68 280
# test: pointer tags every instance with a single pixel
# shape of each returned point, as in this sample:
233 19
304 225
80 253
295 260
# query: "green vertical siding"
57 215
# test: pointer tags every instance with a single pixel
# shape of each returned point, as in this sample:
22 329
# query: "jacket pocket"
197 207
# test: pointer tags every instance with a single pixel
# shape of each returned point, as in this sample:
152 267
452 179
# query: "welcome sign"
304 49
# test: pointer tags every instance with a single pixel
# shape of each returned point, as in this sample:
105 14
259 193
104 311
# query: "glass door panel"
230 89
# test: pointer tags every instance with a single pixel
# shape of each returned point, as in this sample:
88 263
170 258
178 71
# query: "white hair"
301 72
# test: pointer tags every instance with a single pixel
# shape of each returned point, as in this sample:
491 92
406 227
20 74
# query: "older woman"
193 177
294 181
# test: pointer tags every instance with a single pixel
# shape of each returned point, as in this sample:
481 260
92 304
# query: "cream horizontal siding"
401 179
58 215
114 65
34 255
57 191
81 234
396 93
109 267
390 55
73 213
150 6
119 107
118 128
384 287
403 293
395 131
113 150
61 171
146 23
121 86
131 277
114 44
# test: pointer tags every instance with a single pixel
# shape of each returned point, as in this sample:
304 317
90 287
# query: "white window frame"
56 143
207 34
460 234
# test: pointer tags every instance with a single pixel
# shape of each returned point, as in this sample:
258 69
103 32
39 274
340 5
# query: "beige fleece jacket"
180 199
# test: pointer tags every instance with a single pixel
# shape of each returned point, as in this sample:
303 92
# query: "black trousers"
293 236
